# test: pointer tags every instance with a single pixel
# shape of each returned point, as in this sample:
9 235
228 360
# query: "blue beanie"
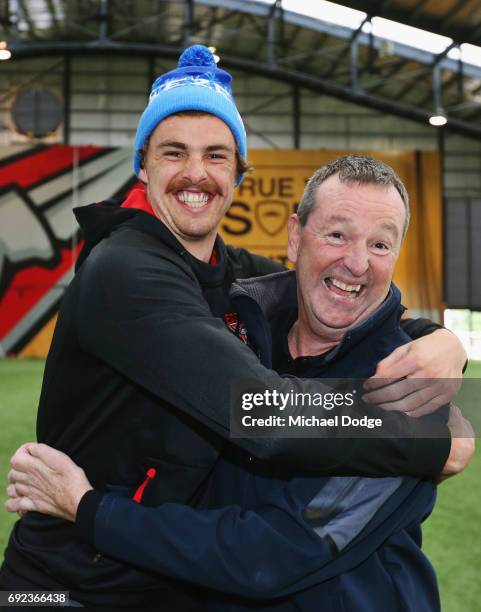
196 84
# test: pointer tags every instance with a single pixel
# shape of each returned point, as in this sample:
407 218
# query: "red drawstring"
213 258
151 473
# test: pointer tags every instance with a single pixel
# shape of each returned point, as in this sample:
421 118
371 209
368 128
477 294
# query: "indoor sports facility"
398 80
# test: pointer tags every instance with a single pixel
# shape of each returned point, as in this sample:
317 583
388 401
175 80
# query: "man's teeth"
194 200
344 287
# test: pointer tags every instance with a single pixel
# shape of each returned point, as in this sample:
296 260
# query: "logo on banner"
271 216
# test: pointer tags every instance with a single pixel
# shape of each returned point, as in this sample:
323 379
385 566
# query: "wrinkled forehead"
352 202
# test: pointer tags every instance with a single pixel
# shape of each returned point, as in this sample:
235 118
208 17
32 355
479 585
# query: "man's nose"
194 169
356 259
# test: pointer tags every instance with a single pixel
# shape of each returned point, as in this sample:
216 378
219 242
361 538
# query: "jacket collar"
97 221
279 291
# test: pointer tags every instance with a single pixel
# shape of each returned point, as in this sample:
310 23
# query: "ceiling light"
5 53
438 118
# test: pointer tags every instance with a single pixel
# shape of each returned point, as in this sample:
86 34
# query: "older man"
352 542
138 379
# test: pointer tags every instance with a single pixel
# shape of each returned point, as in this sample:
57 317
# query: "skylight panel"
407 35
471 54
327 11
382 28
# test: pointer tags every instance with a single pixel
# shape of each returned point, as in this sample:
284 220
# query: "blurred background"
398 79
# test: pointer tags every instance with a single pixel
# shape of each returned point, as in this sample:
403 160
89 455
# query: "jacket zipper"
151 473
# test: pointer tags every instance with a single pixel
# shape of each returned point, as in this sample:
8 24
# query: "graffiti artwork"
39 238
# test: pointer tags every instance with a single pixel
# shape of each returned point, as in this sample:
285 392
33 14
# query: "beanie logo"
191 80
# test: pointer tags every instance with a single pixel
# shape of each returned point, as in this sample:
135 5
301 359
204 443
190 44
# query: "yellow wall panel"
40 343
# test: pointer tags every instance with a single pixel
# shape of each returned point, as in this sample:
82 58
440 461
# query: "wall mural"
39 239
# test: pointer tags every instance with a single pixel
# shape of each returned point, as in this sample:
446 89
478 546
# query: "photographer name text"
310 421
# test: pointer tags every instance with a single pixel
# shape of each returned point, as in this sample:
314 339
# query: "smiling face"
345 255
189 172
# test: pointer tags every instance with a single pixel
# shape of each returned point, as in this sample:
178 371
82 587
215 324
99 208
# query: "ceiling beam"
311 82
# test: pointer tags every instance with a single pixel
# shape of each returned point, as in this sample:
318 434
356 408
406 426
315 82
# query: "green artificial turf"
20 381
452 534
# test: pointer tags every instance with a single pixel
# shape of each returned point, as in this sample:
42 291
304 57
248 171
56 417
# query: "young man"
140 371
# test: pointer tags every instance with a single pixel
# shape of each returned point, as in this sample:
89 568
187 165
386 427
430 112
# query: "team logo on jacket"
236 327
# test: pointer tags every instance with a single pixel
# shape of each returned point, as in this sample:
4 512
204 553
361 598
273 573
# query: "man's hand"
419 377
462 443
45 480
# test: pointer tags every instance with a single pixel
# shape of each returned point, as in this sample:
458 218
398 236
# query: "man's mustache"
207 186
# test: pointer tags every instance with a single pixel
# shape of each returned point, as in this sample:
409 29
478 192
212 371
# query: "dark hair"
242 165
352 169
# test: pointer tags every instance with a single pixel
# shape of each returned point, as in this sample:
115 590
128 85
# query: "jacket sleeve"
144 315
417 328
214 547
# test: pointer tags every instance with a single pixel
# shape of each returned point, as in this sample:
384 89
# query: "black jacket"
139 375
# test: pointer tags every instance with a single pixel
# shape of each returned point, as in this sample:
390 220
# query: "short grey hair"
352 169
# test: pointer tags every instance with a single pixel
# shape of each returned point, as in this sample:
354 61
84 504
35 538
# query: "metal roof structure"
457 19
264 38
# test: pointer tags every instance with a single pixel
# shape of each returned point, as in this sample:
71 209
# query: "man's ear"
294 232
143 176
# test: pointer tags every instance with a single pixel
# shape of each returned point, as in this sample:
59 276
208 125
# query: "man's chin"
196 235
338 325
